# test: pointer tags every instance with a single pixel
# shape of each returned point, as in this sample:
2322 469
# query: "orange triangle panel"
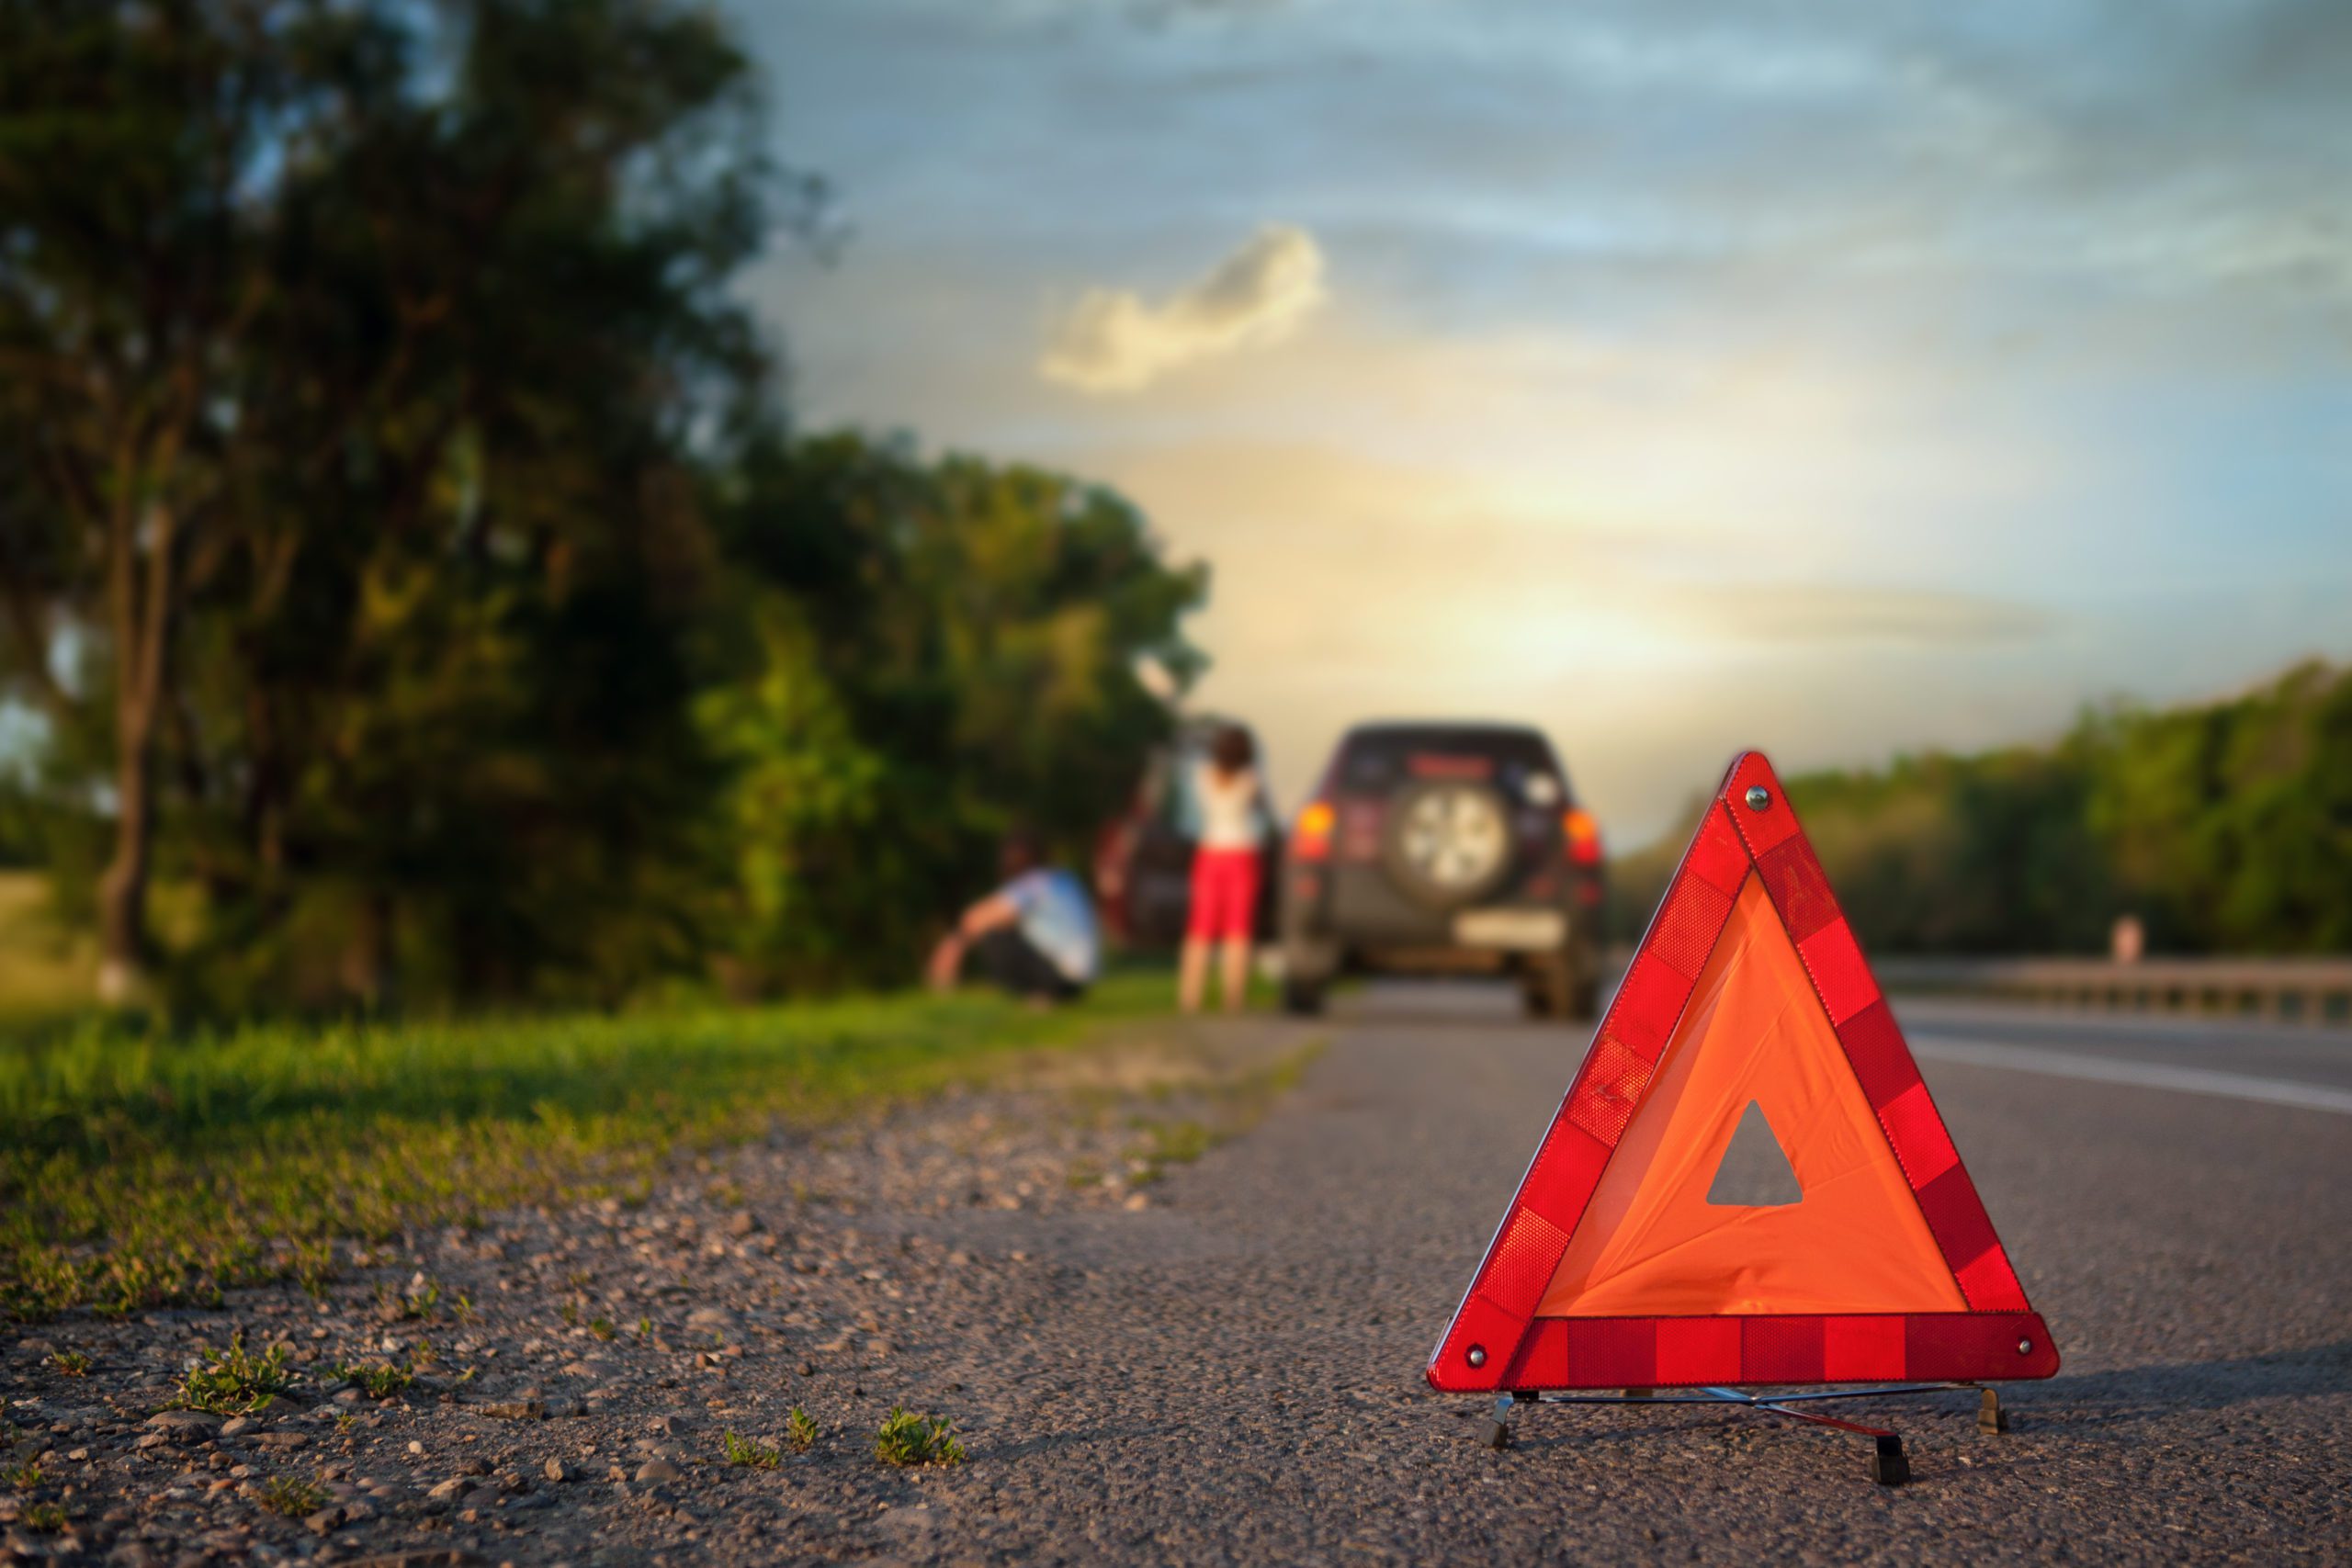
1613 1266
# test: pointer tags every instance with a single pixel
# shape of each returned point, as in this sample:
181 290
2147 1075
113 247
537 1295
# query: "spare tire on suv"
1446 841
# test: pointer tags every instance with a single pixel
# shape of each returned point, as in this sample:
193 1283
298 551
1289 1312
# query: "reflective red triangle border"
1495 1342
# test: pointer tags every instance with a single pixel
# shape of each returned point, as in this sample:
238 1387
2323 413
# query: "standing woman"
1225 869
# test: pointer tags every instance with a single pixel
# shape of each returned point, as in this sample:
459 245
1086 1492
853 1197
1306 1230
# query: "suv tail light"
1583 836
1311 836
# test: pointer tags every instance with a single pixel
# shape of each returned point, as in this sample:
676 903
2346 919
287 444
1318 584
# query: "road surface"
1236 1378
1225 1366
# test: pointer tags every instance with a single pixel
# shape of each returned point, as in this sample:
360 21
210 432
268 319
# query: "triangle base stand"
1889 1465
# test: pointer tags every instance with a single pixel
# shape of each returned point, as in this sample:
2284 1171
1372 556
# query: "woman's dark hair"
1232 750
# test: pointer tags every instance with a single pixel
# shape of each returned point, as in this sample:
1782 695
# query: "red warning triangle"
1614 1267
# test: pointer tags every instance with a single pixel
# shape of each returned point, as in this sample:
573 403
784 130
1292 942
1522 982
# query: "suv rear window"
1373 761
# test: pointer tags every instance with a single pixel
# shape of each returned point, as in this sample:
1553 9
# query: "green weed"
234 1383
414 1303
602 1328
23 1476
906 1438
295 1499
749 1451
45 1518
801 1430
377 1380
73 1363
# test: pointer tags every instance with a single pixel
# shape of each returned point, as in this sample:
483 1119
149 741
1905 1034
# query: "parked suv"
1143 857
1445 849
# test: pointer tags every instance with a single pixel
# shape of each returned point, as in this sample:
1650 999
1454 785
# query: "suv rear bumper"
1340 917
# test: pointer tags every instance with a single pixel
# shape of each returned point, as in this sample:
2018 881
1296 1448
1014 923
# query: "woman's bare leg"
1192 974
1237 973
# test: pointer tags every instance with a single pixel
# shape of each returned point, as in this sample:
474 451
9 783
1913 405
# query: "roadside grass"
139 1170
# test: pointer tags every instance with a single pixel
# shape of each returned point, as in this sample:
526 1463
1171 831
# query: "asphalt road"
1236 1375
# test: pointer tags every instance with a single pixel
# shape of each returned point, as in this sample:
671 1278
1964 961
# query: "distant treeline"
2225 827
405 546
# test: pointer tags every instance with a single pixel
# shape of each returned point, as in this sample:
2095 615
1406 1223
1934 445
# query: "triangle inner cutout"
1755 1171
1628 1259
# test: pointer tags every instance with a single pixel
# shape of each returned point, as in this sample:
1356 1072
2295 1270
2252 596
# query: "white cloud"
1116 342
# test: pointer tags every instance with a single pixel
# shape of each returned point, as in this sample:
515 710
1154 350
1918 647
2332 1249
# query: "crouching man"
1034 936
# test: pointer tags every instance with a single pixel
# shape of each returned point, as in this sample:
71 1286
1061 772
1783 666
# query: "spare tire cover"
1447 841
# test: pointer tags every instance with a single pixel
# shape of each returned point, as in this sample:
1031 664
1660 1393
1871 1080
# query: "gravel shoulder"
573 1374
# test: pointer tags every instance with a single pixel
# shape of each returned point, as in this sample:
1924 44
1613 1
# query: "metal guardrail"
2302 990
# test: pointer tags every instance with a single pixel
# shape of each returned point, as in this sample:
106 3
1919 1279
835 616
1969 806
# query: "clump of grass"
23 1475
312 1265
414 1303
907 1438
801 1430
749 1451
295 1499
73 1363
1235 1106
138 1171
44 1518
234 1383
602 1328
377 1380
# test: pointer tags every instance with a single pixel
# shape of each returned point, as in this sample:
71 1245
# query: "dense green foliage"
933 653
412 564
134 1172
2226 827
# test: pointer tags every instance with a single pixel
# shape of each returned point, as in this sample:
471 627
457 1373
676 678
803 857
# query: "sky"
1841 378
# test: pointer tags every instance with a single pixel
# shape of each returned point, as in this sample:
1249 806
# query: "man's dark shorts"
1013 962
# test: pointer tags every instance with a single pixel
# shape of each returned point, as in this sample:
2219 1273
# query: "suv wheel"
1447 841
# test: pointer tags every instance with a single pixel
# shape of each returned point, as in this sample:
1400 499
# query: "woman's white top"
1229 807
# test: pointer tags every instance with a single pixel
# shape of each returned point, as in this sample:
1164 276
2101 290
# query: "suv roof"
1443 732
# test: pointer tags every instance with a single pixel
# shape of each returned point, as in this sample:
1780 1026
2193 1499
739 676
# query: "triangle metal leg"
1890 1465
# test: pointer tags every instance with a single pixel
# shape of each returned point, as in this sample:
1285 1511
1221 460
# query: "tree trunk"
143 607
367 957
122 889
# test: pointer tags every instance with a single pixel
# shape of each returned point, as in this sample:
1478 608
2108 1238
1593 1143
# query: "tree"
929 653
351 355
